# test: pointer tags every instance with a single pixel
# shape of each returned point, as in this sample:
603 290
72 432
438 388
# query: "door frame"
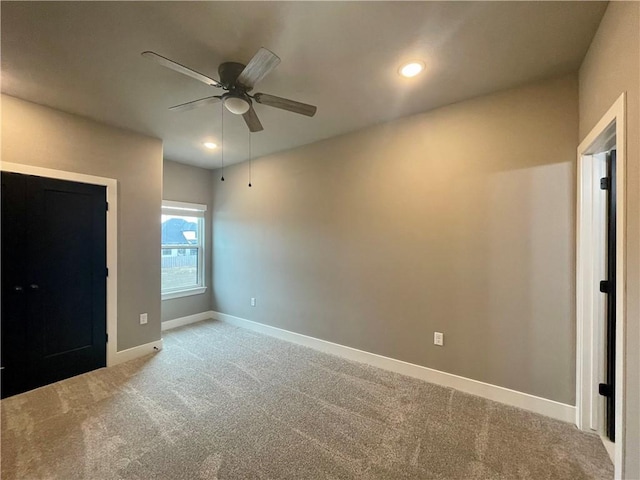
111 185
612 126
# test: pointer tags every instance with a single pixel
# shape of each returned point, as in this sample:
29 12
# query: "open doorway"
600 282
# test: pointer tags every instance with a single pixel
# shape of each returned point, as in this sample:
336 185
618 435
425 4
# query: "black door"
609 288
53 280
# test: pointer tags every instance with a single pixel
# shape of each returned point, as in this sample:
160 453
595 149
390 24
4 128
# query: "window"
182 249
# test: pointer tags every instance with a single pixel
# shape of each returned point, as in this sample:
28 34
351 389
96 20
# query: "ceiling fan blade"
183 107
258 67
286 104
165 62
252 120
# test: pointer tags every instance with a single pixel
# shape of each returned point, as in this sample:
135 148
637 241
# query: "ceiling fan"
238 80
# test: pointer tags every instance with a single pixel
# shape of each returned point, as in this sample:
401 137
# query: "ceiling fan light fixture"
237 105
412 69
210 145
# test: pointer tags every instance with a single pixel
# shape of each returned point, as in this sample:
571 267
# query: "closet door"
60 263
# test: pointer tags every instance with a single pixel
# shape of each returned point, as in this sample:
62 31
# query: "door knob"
17 288
34 286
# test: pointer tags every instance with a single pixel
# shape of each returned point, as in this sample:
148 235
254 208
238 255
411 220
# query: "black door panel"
13 305
611 295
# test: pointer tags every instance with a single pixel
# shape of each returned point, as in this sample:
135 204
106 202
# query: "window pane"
179 230
180 263
179 271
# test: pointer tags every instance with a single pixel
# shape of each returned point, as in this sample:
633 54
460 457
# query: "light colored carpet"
222 402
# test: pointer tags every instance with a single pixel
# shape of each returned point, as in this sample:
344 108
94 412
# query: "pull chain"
249 159
222 140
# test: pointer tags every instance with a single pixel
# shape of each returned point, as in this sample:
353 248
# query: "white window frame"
171 207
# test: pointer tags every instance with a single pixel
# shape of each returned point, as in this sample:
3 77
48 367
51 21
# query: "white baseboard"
135 352
179 322
543 406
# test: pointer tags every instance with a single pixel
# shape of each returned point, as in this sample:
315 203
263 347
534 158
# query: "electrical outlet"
143 318
253 301
438 338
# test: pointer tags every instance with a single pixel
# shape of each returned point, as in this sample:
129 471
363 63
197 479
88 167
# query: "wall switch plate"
253 301
438 338
143 318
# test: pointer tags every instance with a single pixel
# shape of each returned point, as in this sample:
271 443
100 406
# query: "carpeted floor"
220 402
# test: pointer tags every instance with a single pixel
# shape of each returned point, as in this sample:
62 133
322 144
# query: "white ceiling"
84 58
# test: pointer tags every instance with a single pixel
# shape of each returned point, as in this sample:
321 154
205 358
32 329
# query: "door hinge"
106 204
106 272
605 183
106 335
604 286
605 389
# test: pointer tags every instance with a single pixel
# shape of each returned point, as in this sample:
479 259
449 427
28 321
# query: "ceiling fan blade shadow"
165 62
258 67
286 104
183 107
252 120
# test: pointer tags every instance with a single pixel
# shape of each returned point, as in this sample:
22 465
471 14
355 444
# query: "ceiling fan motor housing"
236 99
229 72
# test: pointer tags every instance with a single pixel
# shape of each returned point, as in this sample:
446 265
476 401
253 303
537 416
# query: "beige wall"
43 137
460 220
185 183
611 67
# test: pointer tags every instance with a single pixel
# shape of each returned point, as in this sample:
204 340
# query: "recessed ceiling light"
210 145
411 69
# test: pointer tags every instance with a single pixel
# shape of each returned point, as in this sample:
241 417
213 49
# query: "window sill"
184 293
